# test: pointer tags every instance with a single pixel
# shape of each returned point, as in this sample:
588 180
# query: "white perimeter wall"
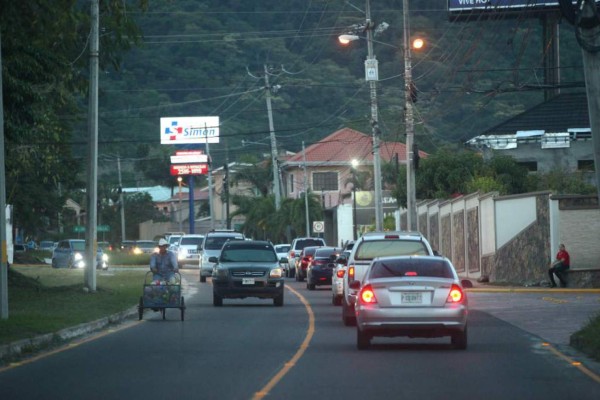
512 216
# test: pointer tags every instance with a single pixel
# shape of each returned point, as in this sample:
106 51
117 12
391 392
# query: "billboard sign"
189 169
496 5
189 130
189 157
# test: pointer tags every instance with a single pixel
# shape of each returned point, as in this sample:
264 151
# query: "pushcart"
159 296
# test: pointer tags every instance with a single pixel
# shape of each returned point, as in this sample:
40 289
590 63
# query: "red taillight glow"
340 273
391 237
456 295
351 273
410 273
367 296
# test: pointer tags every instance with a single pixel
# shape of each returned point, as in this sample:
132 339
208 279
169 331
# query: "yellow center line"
292 362
577 364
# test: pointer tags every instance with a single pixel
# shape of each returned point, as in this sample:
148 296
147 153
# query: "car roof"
246 243
405 235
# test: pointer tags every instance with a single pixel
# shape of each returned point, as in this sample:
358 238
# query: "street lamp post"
354 165
180 180
411 202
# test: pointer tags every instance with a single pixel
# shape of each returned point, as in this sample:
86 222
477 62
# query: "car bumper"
320 277
264 289
337 286
412 322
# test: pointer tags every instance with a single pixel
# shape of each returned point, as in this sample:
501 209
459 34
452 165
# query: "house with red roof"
328 165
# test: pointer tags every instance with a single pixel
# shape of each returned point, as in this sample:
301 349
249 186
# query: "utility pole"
305 190
121 200
92 184
3 246
372 63
276 189
210 188
411 201
226 194
591 66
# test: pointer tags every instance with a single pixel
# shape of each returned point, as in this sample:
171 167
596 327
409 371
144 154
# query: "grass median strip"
44 300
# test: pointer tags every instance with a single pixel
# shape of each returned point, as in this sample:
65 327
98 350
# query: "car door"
62 252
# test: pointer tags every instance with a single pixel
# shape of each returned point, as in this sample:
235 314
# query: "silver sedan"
414 296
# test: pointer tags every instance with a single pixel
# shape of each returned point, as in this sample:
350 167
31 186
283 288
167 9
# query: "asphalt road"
249 349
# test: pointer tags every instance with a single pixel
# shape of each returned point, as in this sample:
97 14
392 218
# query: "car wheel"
336 300
347 317
459 339
310 286
217 300
202 278
363 340
278 301
54 263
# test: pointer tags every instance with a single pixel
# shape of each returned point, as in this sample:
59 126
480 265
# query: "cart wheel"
164 313
141 308
182 308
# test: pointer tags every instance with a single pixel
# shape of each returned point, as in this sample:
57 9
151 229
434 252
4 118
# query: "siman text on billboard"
189 130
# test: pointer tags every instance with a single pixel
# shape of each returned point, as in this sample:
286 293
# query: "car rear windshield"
411 267
217 242
370 249
325 253
191 240
282 249
248 254
301 244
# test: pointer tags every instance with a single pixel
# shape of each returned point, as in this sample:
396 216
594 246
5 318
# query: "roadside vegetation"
587 340
44 300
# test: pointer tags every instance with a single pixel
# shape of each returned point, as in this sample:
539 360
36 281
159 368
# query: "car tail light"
367 296
456 294
350 273
391 237
340 273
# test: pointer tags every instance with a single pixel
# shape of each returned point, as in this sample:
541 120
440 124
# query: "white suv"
372 245
296 248
211 247
188 249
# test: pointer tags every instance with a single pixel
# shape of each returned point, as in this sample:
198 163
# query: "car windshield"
411 267
301 244
282 249
249 254
194 240
174 239
78 246
216 242
370 249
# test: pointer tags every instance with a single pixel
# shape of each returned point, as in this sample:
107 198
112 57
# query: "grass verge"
587 340
44 300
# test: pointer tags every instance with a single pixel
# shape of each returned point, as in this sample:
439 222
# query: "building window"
322 181
291 179
585 165
531 166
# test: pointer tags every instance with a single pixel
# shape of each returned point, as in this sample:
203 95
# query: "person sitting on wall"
559 266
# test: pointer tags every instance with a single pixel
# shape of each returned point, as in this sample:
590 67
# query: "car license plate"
412 298
247 281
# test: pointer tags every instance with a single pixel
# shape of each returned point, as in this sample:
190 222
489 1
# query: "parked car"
306 255
46 245
320 268
145 247
414 296
296 248
282 252
337 278
70 253
211 247
247 268
372 245
188 249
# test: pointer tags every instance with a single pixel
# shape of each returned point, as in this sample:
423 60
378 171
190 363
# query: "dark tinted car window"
308 251
217 242
370 249
248 253
326 253
301 244
411 267
192 240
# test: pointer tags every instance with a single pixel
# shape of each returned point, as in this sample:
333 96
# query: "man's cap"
163 242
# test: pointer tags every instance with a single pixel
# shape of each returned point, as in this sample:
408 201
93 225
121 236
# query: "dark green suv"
248 268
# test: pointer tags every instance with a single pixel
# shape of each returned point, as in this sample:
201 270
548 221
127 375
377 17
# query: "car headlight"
137 251
275 273
182 254
221 273
105 257
78 257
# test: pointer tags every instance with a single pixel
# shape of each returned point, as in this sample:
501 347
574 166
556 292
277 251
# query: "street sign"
371 69
79 228
318 227
103 228
189 169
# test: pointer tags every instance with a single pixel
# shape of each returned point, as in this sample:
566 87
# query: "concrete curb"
19 347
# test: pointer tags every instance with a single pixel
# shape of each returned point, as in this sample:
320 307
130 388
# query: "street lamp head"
418 43
179 179
347 38
355 163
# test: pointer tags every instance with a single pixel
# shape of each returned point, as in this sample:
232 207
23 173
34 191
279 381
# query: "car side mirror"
354 285
213 259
